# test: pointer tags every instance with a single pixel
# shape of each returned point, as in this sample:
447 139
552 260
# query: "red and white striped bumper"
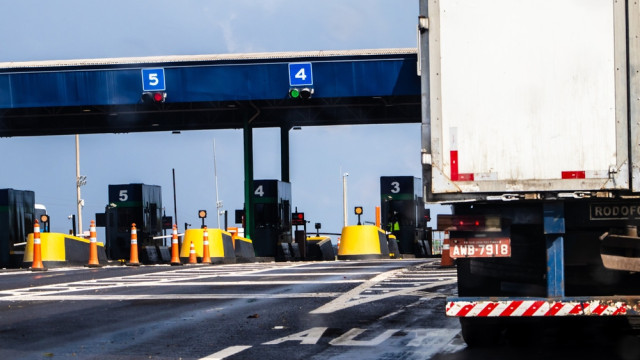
542 307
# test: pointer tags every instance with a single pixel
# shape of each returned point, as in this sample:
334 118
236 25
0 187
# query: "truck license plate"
480 247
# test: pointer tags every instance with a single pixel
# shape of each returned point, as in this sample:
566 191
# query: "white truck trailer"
531 131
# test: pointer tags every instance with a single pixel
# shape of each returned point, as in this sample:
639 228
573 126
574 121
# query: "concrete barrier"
244 250
320 248
149 255
295 251
283 252
59 250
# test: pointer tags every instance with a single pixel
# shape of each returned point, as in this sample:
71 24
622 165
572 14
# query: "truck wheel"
481 332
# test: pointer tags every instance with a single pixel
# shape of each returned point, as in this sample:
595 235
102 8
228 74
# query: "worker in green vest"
394 222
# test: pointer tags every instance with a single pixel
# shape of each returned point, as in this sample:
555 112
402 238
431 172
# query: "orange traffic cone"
192 254
133 261
93 247
37 265
175 252
206 258
446 260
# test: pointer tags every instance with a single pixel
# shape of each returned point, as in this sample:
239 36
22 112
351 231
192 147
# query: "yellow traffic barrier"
363 242
59 250
220 246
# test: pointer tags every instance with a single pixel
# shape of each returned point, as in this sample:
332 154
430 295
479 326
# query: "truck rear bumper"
537 307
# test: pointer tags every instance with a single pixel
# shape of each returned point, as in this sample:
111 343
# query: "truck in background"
531 132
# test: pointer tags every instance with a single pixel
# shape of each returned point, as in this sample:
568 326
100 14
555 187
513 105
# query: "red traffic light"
153 97
297 218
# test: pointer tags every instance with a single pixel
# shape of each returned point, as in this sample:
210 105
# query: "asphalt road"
388 309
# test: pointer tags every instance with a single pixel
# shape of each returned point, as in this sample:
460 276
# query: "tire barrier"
133 258
363 242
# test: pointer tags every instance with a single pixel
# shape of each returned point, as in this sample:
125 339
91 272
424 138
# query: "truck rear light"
489 223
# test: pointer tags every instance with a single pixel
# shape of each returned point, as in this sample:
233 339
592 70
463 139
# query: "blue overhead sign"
196 81
300 74
153 80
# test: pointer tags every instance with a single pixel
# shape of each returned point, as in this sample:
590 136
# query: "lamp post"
80 181
344 197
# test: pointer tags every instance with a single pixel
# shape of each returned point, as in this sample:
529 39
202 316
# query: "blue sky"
46 30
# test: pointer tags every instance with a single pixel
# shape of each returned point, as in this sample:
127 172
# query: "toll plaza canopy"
173 93
209 92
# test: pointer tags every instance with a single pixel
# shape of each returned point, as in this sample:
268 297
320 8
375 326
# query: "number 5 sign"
153 80
300 74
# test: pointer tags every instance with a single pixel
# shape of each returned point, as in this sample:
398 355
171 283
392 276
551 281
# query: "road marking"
131 297
361 294
308 337
397 282
231 350
348 338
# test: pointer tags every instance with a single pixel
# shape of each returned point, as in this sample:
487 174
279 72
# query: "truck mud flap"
620 252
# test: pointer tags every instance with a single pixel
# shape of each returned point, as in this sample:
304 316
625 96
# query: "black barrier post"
301 239
248 175
73 224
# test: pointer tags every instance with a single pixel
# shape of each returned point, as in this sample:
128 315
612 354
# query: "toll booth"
402 210
17 212
272 212
132 203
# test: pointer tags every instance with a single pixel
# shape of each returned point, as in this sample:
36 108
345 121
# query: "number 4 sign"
300 74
